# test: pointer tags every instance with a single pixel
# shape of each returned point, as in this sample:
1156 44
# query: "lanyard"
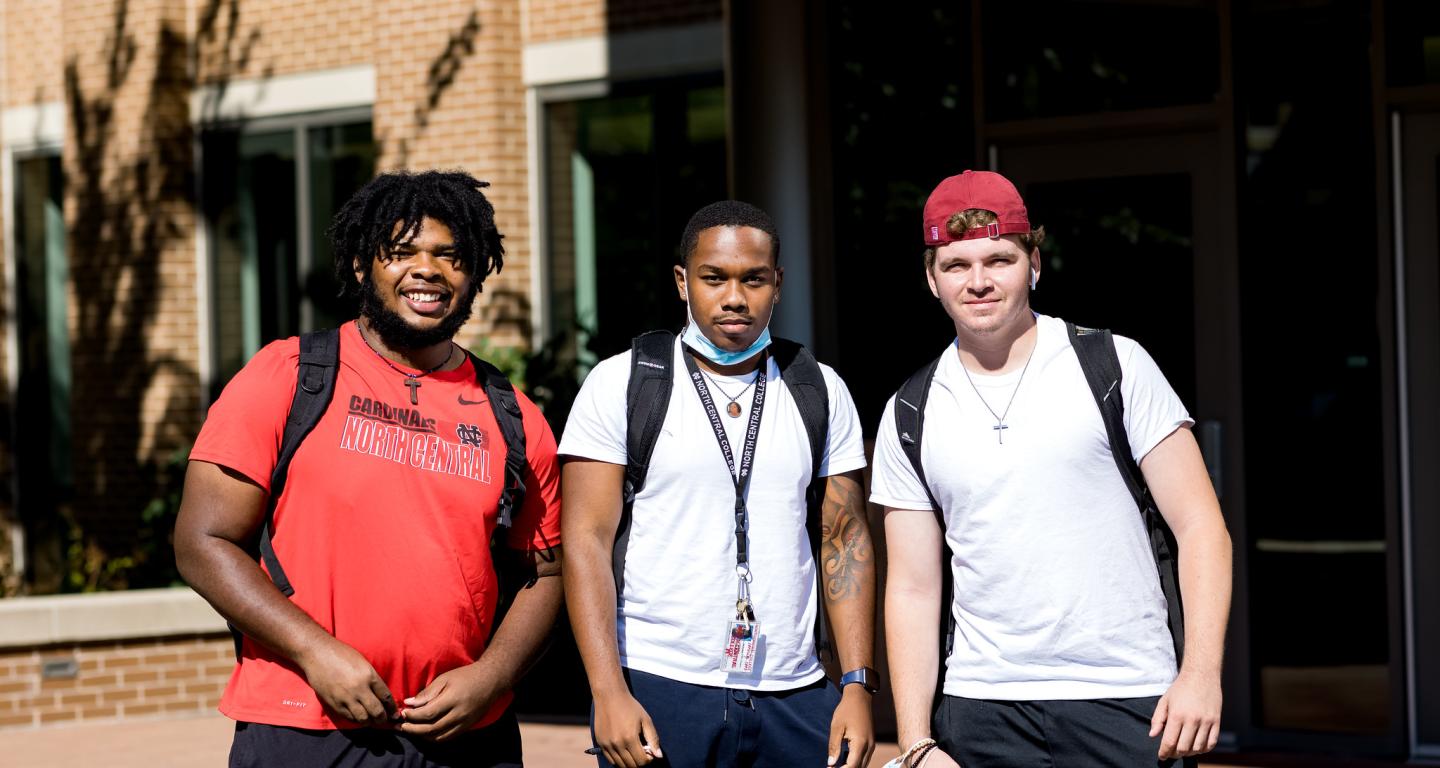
740 478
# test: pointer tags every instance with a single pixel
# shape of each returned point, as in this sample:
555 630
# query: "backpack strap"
910 427
806 385
510 572
501 394
1096 350
314 388
647 398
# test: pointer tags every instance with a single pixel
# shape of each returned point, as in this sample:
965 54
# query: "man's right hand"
347 685
624 731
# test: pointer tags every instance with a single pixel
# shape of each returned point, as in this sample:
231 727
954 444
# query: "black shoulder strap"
1096 350
501 394
647 398
806 385
314 388
910 427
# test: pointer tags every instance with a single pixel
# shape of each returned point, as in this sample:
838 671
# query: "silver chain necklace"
733 410
1000 425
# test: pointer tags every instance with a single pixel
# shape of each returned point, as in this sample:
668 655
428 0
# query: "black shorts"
271 746
1091 733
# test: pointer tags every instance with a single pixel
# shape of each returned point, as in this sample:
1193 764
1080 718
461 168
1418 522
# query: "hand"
1189 716
346 684
450 704
620 726
852 723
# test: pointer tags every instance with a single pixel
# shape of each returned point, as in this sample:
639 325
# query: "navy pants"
1094 733
706 727
271 746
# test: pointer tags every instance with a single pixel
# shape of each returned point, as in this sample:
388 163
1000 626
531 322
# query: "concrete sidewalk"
204 742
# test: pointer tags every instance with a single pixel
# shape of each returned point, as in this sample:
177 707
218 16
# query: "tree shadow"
439 78
131 208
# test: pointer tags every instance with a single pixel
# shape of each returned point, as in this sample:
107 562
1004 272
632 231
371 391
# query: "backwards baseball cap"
985 190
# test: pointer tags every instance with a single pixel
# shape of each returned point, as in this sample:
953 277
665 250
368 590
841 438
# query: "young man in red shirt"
383 655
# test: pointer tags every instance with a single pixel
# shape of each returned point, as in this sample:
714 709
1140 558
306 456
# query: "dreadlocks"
366 225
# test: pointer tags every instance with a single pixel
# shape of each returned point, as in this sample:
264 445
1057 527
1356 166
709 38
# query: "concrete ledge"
140 613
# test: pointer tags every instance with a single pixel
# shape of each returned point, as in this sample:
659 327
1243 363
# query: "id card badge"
742 642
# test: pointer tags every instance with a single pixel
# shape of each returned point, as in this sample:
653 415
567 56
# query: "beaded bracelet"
903 761
922 754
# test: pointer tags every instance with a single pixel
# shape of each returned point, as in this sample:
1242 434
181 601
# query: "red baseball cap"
985 190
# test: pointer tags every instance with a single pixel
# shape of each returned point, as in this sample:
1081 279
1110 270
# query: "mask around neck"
693 338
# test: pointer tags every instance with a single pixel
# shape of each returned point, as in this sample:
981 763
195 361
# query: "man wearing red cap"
1059 652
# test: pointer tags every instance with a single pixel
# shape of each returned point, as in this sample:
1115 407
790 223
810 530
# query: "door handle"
1212 448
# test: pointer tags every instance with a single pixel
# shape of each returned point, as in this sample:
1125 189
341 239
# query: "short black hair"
365 225
727 213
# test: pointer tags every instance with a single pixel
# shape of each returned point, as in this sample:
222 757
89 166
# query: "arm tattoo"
845 550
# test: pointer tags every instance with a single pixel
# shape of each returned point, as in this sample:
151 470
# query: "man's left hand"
852 723
449 705
1189 716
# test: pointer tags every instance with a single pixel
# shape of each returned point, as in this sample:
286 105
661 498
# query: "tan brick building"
1247 187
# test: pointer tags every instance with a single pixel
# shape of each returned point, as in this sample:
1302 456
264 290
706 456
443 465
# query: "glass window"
43 470
269 197
624 173
1413 43
1046 59
902 119
1309 283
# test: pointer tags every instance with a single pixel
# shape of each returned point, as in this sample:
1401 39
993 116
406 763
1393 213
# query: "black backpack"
1096 350
647 398
314 389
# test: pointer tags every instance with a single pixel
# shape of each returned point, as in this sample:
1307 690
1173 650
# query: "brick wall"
115 680
32 57
449 95
548 20
266 38
130 219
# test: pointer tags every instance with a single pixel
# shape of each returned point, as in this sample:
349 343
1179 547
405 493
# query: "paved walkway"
204 742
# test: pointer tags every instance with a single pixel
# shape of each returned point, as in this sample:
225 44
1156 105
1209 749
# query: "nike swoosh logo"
463 401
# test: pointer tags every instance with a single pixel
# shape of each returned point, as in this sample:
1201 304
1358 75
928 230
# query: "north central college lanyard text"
741 478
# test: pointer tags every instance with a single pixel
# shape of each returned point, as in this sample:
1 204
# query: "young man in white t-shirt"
1061 651
690 663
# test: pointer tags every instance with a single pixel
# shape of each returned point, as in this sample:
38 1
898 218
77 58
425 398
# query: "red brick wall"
32 57
118 680
449 95
267 38
129 210
547 20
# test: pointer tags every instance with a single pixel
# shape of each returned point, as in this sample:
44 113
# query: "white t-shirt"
679 581
1056 589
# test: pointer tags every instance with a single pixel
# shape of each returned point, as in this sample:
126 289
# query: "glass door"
1418 263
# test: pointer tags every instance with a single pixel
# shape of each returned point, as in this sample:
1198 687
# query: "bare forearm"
521 636
1205 585
232 582
912 629
590 583
847 568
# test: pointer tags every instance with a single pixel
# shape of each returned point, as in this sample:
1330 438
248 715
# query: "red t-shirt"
385 521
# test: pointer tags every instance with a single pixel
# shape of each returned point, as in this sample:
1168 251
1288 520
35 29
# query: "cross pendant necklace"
412 380
1000 425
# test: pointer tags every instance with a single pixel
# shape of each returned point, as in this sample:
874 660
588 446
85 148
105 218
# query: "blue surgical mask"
693 338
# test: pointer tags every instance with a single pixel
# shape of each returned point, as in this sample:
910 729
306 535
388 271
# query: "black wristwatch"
864 676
